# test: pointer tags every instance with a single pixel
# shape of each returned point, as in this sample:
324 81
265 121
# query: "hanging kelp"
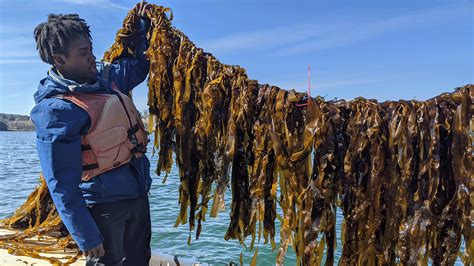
399 170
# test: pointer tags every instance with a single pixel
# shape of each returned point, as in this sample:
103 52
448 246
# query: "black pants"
126 228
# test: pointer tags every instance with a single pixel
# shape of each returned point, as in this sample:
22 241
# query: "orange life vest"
116 132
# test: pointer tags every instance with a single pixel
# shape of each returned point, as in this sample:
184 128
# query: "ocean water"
19 173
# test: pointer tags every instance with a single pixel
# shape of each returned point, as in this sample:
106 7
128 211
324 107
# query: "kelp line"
399 170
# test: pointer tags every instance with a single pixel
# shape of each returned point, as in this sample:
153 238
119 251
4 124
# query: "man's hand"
142 8
141 11
96 252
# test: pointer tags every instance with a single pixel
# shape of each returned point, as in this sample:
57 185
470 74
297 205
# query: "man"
91 142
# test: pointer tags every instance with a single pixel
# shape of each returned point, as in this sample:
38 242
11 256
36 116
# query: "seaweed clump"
399 170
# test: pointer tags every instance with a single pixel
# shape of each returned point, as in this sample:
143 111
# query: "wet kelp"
399 170
31 223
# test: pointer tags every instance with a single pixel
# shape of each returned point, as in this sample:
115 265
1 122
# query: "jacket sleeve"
59 147
128 72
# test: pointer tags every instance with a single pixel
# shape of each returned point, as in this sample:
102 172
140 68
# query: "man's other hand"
96 252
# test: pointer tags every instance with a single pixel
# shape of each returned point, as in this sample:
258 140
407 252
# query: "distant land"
11 122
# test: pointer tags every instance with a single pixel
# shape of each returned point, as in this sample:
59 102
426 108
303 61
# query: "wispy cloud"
26 60
312 36
267 38
18 50
18 47
325 84
358 32
98 3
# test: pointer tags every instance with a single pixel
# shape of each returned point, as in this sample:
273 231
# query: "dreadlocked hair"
55 35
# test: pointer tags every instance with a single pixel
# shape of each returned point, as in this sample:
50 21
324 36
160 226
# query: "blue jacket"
59 126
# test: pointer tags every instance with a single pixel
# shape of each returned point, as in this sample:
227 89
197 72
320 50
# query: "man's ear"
59 59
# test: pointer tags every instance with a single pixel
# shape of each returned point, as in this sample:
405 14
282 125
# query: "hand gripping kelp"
399 170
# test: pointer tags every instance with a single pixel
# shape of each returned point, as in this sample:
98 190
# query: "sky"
385 50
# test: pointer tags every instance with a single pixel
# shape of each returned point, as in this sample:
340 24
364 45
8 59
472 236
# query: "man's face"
79 63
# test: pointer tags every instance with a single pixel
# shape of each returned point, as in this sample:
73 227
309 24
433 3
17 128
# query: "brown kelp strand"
400 171
37 228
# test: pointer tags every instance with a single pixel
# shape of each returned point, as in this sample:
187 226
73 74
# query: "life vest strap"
89 167
86 147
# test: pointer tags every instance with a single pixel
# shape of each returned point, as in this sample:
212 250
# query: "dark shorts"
126 228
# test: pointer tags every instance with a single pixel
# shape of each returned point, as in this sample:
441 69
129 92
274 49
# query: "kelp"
400 171
31 225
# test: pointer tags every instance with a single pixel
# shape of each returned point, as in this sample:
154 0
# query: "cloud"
265 38
359 32
313 36
325 84
18 50
18 47
26 60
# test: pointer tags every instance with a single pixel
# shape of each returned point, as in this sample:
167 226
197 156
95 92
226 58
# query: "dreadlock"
55 35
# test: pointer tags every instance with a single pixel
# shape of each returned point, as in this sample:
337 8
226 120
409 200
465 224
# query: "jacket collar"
74 86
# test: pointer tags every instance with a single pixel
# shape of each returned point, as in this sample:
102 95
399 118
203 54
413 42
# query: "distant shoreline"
12 122
17 130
